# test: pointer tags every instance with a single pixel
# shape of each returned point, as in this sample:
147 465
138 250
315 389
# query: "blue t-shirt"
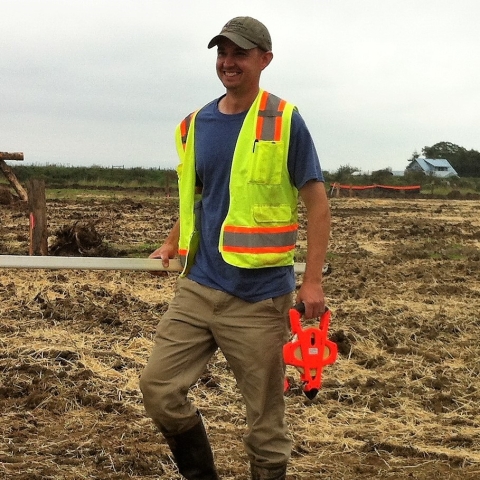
215 139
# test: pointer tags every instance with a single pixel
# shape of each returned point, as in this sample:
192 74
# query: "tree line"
60 176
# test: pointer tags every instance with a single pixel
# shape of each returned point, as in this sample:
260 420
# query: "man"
243 160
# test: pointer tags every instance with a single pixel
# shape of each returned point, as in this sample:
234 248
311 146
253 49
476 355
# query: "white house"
438 167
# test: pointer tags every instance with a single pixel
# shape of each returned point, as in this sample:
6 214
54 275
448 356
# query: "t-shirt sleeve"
303 161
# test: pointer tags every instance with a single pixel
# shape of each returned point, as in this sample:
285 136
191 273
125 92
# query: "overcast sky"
105 82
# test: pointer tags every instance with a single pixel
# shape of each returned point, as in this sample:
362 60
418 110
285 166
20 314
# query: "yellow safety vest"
260 228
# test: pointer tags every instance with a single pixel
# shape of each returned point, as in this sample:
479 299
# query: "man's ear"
267 57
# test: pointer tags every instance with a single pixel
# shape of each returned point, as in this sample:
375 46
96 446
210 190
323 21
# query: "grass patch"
108 195
134 250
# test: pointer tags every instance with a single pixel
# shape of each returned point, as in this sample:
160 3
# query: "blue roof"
438 162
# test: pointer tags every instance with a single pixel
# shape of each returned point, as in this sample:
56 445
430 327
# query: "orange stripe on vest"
254 230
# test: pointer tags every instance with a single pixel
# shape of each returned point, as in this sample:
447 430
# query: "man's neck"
233 103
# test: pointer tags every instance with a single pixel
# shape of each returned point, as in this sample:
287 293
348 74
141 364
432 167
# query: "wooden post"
11 156
8 172
38 217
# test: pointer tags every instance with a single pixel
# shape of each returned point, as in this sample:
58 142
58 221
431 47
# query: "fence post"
10 176
37 206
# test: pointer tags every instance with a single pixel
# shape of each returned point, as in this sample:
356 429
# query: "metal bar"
96 263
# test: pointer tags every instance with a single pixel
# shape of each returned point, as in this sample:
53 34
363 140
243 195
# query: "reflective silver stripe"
269 115
252 240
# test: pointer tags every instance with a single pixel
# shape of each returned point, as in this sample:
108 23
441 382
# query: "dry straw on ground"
402 401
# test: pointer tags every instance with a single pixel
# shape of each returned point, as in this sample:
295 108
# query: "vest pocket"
272 213
267 164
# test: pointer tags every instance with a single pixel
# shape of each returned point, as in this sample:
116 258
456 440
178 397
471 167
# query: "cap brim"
235 38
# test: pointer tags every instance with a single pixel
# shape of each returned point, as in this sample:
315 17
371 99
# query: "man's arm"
314 196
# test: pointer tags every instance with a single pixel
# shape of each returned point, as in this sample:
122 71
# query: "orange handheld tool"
309 350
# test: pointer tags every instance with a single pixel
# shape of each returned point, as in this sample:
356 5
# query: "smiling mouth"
231 74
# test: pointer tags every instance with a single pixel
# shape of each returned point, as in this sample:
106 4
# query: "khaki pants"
250 335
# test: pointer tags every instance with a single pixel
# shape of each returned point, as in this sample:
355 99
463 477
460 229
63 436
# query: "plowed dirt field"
402 400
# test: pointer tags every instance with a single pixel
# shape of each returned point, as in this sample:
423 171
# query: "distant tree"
414 156
442 150
469 163
381 176
344 173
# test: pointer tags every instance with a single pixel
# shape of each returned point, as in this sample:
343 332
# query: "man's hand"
168 250
164 253
311 294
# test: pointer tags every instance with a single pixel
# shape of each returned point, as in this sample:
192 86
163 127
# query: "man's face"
239 69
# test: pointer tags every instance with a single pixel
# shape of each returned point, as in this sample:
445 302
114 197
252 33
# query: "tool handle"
300 308
296 313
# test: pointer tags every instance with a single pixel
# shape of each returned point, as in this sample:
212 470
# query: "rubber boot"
192 453
262 473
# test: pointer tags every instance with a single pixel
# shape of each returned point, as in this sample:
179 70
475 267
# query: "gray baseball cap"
246 32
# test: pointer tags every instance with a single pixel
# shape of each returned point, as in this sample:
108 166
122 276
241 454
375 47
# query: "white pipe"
96 263
87 263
